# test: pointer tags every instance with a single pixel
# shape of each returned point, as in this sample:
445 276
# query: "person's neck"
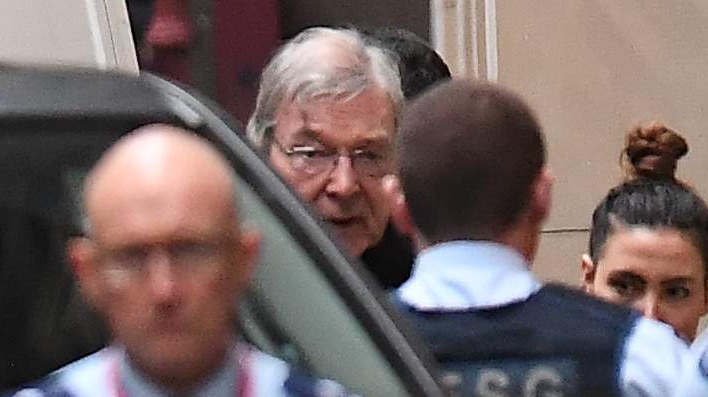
524 238
176 380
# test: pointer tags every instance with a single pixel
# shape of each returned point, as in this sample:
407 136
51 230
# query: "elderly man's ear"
82 258
400 215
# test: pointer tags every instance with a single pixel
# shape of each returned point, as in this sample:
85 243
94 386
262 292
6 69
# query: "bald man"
165 262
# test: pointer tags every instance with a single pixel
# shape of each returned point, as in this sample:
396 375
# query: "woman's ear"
588 268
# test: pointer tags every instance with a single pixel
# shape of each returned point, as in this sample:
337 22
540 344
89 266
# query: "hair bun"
652 151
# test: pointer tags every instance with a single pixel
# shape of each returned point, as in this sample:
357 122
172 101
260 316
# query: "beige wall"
591 68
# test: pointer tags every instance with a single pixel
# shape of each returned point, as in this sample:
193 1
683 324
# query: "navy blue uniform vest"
559 342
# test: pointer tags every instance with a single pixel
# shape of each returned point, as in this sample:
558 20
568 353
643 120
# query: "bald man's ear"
81 254
247 256
541 195
400 214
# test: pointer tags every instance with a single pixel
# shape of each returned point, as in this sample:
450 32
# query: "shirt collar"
220 383
463 275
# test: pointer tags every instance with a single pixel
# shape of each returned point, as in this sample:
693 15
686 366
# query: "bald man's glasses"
185 258
314 160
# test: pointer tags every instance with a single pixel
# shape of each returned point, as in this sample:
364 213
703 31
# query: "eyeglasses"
186 259
314 161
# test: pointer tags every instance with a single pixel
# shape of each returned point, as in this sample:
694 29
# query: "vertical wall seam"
490 25
99 46
437 25
474 31
461 30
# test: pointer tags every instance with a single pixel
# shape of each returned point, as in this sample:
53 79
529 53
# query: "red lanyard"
243 389
245 386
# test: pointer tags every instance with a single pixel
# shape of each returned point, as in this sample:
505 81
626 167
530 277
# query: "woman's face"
658 272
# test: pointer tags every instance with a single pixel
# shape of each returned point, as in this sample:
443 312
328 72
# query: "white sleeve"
268 375
653 361
694 382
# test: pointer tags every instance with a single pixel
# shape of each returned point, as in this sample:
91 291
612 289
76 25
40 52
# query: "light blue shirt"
94 376
462 275
694 382
221 383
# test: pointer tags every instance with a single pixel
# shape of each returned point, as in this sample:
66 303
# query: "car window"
44 321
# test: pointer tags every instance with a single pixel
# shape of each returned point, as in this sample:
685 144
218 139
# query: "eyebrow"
637 278
376 141
627 275
309 133
677 280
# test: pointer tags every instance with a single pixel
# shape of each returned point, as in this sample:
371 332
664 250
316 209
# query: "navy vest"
559 342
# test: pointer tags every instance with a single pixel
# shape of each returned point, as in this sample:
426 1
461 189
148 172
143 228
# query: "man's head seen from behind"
471 163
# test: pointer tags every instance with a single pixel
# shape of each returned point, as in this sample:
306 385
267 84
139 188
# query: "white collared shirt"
462 275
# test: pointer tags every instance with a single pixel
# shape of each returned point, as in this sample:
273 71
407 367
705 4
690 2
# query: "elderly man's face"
334 152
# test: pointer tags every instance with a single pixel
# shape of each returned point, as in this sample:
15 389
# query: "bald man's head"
155 158
165 261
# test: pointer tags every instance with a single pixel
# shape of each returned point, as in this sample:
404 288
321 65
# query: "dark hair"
469 154
419 65
652 152
652 196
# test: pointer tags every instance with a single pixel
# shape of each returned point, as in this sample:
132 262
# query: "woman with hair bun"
649 236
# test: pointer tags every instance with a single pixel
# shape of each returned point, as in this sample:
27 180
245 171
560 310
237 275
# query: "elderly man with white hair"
325 118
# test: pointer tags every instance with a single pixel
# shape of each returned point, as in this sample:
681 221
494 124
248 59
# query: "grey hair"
296 73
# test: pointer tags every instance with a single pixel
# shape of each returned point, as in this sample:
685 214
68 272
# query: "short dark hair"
419 65
469 154
652 197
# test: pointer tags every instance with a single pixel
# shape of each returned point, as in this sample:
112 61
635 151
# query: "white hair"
322 62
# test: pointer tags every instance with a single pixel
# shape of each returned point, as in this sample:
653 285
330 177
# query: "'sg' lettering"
492 383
